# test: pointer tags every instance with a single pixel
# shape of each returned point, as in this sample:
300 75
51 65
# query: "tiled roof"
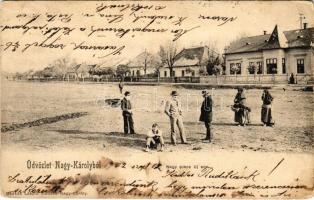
192 56
293 38
112 63
248 44
152 61
84 67
300 37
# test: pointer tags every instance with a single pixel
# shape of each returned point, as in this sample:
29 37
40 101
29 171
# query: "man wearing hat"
173 110
207 114
126 107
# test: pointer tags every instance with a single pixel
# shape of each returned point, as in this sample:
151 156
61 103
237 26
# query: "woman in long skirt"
241 111
266 114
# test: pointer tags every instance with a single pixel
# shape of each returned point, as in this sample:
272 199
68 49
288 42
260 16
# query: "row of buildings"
277 54
188 62
274 56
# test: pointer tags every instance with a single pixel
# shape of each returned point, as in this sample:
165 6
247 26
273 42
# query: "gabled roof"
113 63
286 39
193 56
248 44
300 37
275 40
73 69
84 68
152 61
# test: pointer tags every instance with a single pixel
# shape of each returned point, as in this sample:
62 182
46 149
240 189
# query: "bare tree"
122 70
73 68
61 66
213 46
157 69
167 54
150 60
84 70
214 63
145 62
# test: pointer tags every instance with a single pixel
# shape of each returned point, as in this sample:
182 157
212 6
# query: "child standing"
154 137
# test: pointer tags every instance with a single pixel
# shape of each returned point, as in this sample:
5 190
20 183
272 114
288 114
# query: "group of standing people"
242 111
174 112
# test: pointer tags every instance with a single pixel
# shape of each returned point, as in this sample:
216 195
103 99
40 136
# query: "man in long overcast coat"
207 114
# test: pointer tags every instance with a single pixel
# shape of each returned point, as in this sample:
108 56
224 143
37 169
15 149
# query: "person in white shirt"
154 137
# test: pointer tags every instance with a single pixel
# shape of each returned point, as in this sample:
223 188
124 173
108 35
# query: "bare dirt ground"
101 128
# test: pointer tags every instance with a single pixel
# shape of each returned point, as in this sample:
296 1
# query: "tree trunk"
171 72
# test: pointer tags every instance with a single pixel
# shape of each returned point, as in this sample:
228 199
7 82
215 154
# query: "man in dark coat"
207 114
121 87
127 113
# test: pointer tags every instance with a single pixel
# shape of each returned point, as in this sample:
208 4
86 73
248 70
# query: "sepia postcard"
157 99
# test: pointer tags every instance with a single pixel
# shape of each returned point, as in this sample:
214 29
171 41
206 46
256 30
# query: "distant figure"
121 87
241 111
207 114
173 110
154 138
291 79
161 106
127 114
266 115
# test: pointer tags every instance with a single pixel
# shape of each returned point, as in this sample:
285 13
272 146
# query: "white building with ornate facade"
277 54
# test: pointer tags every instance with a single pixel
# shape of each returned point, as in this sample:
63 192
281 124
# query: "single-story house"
83 70
144 64
189 62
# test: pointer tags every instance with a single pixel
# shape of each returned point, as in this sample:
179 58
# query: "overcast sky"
252 19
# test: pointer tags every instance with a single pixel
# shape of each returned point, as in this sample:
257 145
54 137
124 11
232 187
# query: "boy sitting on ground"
154 137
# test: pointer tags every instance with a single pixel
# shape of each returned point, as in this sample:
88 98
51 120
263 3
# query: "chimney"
304 25
265 32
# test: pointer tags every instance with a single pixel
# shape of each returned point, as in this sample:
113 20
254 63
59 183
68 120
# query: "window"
193 73
182 73
271 65
232 68
300 66
260 67
132 72
235 68
173 73
165 73
252 68
283 65
238 68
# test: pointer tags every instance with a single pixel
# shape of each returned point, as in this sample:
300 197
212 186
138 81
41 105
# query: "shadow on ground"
135 141
218 124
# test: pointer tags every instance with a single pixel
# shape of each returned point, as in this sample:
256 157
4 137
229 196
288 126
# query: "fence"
214 80
255 79
248 79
